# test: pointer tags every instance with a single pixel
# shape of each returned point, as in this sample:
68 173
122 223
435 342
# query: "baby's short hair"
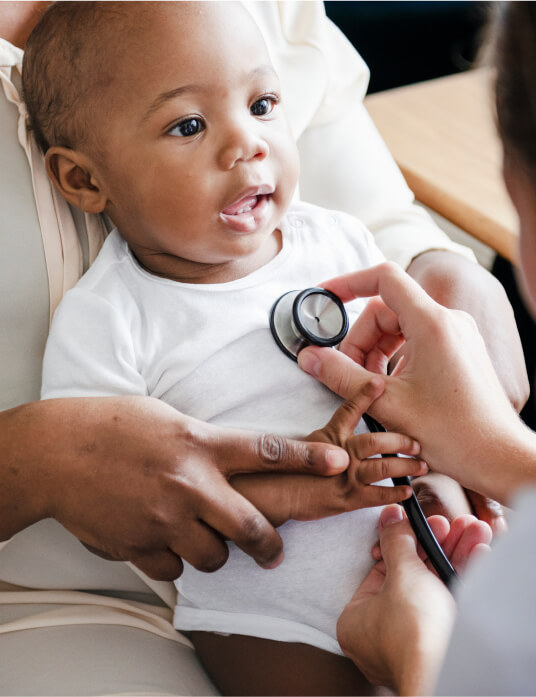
64 70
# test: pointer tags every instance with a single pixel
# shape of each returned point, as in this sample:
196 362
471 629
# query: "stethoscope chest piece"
313 316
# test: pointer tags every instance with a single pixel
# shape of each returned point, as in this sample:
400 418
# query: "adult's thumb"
397 541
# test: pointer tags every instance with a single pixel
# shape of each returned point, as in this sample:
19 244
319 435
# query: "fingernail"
423 467
272 564
415 448
390 515
499 526
309 363
337 459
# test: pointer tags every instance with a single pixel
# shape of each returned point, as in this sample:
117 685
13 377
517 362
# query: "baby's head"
167 116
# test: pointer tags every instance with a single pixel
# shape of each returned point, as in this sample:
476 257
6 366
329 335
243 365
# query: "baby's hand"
283 497
357 482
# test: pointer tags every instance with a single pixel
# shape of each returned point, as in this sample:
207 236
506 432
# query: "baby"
168 117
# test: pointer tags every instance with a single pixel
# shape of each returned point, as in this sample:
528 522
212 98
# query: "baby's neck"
187 271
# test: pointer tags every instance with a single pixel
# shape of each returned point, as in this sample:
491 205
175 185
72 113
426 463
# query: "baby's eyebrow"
164 97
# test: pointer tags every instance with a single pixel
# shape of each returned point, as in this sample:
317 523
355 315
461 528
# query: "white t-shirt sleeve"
89 351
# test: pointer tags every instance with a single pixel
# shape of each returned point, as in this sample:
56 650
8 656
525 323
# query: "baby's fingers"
378 468
372 495
366 445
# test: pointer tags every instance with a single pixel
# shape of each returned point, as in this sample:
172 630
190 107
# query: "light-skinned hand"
443 392
397 625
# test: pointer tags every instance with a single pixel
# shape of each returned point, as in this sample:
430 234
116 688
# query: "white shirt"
207 350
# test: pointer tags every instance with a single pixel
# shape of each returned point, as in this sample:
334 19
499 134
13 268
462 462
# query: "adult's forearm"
22 479
137 480
459 284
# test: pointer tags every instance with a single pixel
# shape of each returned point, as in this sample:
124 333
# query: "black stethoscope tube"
418 522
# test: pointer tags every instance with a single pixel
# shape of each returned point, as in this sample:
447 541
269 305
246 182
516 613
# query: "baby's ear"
72 175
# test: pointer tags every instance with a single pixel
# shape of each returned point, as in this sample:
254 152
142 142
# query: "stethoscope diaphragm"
310 317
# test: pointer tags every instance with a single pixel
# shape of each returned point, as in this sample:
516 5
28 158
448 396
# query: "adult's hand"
444 392
460 284
136 480
397 625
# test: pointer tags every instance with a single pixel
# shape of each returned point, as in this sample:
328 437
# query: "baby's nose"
241 145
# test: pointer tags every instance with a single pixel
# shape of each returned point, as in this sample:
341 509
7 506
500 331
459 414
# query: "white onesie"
207 350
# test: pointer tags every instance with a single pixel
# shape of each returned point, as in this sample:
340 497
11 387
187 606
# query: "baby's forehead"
182 33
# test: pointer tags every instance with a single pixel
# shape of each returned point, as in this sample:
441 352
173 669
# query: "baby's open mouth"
244 205
250 212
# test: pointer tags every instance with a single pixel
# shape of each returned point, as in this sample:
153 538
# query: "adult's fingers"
374 337
398 290
461 540
201 546
161 565
397 541
466 533
439 525
236 518
335 370
243 451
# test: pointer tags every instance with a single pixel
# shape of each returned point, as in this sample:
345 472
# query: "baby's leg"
243 665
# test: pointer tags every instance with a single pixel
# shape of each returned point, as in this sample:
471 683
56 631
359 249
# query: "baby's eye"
263 106
187 128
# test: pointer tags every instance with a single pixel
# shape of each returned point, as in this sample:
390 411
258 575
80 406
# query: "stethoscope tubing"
418 522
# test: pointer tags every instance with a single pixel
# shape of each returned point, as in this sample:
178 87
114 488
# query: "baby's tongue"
243 206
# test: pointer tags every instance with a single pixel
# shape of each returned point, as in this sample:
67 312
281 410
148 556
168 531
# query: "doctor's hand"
136 480
443 392
397 625
283 497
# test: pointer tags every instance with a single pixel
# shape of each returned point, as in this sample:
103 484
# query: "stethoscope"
317 317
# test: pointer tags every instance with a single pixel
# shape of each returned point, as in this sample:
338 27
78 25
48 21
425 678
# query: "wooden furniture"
442 135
